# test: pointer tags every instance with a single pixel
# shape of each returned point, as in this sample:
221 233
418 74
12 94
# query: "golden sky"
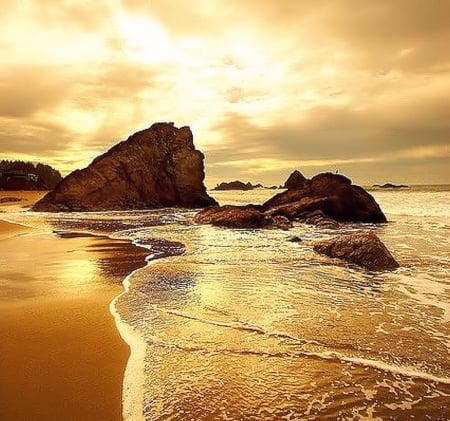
267 86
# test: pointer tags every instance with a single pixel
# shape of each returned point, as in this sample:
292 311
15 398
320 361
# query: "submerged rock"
278 221
319 219
153 168
333 194
362 248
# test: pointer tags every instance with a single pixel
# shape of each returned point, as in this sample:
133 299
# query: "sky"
267 86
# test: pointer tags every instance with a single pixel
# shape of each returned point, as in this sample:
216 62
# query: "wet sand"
61 356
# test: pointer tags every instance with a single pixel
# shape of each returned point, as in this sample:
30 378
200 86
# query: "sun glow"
144 39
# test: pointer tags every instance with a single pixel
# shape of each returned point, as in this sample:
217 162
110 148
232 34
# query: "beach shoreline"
62 354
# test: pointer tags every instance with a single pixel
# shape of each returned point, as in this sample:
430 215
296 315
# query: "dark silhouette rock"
391 186
153 168
10 199
362 248
333 194
296 179
236 185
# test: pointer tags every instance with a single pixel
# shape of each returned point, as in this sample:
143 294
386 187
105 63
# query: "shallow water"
243 324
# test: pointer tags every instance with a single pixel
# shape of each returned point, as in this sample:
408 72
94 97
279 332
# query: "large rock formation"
296 179
332 194
362 248
156 167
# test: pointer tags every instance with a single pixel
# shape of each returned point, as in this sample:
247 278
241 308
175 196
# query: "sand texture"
61 357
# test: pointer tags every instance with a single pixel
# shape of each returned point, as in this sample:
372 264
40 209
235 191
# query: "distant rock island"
237 185
391 186
21 175
156 167
296 179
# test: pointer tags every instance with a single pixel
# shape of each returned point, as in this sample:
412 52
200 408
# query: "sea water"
246 325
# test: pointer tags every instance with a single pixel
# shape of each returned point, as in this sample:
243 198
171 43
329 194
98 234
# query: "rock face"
363 248
296 179
156 167
332 194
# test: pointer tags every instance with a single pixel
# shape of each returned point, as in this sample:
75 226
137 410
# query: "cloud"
25 90
409 35
264 85
326 132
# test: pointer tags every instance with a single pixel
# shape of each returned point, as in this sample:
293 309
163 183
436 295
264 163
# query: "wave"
133 381
407 371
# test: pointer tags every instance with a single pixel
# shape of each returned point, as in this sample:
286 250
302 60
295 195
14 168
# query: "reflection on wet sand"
61 355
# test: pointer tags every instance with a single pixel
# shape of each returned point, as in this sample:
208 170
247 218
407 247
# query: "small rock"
10 199
363 248
249 216
278 221
232 216
295 239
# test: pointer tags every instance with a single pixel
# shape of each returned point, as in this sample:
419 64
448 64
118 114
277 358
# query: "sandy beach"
62 357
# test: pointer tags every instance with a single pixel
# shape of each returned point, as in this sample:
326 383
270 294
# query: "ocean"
246 325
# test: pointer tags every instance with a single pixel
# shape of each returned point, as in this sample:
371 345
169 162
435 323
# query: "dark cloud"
25 90
327 133
113 81
34 138
410 35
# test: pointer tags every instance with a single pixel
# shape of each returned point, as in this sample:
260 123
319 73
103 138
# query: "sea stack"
332 194
156 167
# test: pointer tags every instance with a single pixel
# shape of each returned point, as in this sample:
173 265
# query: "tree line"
47 175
